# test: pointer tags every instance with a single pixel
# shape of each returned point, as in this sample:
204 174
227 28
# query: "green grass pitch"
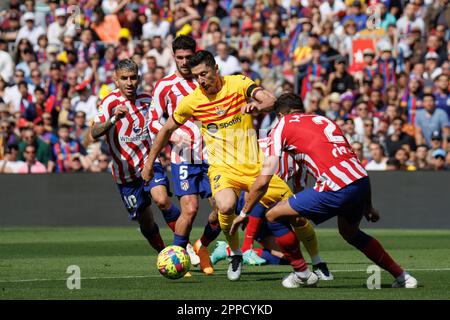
117 263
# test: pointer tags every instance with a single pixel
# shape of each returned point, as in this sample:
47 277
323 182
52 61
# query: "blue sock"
181 241
210 233
278 229
360 240
271 259
171 214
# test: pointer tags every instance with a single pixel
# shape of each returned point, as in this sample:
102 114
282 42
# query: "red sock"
171 225
250 232
154 238
259 251
375 252
290 247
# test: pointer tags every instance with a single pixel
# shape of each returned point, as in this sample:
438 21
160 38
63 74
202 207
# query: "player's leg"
289 245
189 208
159 188
226 201
255 219
373 250
307 235
210 233
149 229
137 202
169 211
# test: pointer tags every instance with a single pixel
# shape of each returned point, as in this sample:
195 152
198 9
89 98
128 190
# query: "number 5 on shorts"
183 172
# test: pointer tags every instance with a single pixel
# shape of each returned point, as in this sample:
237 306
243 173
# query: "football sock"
269 257
254 223
171 215
289 245
179 240
375 252
153 237
210 233
250 232
226 220
307 235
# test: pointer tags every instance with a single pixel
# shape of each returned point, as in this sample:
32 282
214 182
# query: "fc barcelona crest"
220 111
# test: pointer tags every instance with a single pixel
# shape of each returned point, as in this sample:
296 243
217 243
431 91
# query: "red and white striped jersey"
288 168
317 142
129 139
167 94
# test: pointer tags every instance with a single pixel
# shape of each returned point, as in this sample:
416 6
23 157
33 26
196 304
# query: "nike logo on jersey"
159 180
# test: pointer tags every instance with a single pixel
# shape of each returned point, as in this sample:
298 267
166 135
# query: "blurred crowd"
380 69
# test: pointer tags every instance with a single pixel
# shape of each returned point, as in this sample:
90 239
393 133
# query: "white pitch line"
157 276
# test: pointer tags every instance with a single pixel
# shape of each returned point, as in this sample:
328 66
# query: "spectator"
429 120
421 161
378 161
30 31
155 27
438 160
227 63
340 80
42 149
393 164
80 130
64 150
442 93
163 54
31 165
10 163
398 138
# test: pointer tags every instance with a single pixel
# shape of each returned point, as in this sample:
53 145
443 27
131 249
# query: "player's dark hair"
128 65
202 56
183 43
288 102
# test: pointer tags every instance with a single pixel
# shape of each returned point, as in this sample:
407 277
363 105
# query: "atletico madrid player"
342 189
122 117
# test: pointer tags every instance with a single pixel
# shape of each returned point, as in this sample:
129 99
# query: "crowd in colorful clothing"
379 68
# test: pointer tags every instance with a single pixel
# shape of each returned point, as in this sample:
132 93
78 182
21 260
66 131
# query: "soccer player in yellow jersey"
221 105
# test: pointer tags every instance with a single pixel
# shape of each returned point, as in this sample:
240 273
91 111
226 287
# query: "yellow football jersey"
230 138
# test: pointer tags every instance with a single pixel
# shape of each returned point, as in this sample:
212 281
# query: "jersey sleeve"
104 109
276 143
249 86
183 112
157 109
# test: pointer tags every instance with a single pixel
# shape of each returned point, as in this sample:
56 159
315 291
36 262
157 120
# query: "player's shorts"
159 179
134 197
350 201
221 179
191 179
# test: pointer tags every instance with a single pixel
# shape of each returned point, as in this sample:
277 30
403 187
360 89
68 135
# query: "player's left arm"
262 100
257 190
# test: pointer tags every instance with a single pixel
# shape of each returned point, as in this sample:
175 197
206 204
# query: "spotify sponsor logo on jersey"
230 123
213 128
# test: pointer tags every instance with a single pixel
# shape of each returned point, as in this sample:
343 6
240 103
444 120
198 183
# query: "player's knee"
190 209
226 208
162 201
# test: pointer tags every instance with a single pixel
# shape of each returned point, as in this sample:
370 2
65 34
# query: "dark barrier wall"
405 200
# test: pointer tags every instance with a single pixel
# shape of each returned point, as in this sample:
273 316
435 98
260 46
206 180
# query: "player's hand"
237 222
147 173
372 215
249 107
121 111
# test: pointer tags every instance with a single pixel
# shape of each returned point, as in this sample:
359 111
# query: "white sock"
316 259
303 274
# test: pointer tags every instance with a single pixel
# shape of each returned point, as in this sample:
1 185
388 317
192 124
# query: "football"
173 262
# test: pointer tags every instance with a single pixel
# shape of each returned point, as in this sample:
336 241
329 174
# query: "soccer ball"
173 262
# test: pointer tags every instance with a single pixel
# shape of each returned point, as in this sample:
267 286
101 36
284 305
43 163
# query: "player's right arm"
103 122
181 114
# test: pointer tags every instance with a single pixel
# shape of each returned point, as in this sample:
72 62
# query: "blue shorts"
350 201
191 179
159 179
134 197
